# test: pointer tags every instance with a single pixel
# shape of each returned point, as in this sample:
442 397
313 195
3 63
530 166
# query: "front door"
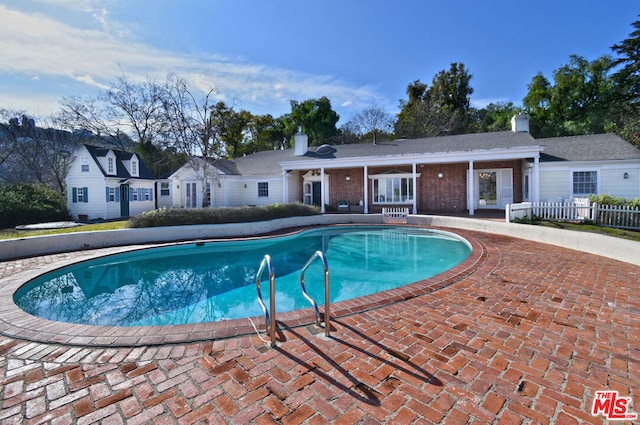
190 195
493 188
124 200
317 193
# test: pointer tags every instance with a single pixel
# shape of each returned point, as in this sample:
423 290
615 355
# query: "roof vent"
325 149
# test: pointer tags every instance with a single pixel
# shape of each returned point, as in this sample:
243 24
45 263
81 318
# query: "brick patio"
527 336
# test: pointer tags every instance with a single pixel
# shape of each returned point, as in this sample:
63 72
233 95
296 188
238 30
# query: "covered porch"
452 183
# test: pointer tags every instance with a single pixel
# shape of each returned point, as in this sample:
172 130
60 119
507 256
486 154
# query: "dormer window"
134 167
110 167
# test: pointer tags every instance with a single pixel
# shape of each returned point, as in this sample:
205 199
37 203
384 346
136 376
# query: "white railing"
617 216
579 211
395 215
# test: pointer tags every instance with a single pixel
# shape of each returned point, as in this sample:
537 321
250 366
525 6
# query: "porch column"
366 190
285 187
535 186
415 189
322 189
471 195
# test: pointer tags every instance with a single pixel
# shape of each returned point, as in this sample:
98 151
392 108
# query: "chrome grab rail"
270 319
327 316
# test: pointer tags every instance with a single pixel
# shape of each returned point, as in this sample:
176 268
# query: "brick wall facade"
434 195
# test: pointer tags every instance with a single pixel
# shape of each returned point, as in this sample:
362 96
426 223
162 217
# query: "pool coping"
16 323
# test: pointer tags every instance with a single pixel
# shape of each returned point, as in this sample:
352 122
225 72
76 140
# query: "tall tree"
440 109
578 102
452 88
493 117
627 78
317 119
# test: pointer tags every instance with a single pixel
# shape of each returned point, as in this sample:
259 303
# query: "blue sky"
259 54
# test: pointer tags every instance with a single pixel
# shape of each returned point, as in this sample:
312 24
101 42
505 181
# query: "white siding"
613 182
93 180
294 188
554 184
556 180
139 206
164 201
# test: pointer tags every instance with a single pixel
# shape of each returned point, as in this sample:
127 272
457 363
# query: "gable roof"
593 147
268 162
121 171
572 148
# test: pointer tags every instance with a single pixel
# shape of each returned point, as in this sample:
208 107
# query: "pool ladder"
270 314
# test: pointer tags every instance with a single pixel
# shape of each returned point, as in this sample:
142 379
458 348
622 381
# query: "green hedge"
180 216
612 200
29 204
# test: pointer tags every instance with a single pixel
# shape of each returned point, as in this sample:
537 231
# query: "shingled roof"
594 147
574 148
121 171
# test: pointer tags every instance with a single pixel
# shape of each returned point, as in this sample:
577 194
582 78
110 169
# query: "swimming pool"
208 282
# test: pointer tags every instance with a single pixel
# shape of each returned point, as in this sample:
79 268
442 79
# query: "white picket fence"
579 211
397 215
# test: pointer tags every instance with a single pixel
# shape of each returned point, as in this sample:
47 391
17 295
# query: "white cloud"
34 44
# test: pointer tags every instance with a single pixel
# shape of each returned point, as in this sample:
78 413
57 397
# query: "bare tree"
8 134
40 154
372 121
191 129
124 108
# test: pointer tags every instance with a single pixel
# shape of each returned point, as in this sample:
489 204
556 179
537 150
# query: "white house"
105 183
450 174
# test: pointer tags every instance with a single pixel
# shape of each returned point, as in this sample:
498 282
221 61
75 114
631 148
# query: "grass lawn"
591 228
14 234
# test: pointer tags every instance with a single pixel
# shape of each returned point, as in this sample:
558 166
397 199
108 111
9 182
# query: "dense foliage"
30 203
180 216
611 200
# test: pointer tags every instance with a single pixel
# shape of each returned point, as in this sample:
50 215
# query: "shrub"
180 216
611 200
30 203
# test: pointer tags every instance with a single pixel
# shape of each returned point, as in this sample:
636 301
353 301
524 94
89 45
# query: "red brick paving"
527 337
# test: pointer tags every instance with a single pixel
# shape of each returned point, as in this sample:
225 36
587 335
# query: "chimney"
520 123
300 143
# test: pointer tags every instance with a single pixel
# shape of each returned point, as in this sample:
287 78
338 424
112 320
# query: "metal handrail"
270 319
327 316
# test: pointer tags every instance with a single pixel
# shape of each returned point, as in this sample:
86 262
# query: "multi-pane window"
585 182
112 194
263 189
164 189
134 168
110 166
392 190
79 194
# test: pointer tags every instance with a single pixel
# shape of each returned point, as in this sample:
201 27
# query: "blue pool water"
192 283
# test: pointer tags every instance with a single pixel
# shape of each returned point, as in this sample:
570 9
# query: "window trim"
165 191
263 192
409 187
596 184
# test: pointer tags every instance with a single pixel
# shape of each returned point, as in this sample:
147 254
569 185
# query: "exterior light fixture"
625 176
347 177
440 174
